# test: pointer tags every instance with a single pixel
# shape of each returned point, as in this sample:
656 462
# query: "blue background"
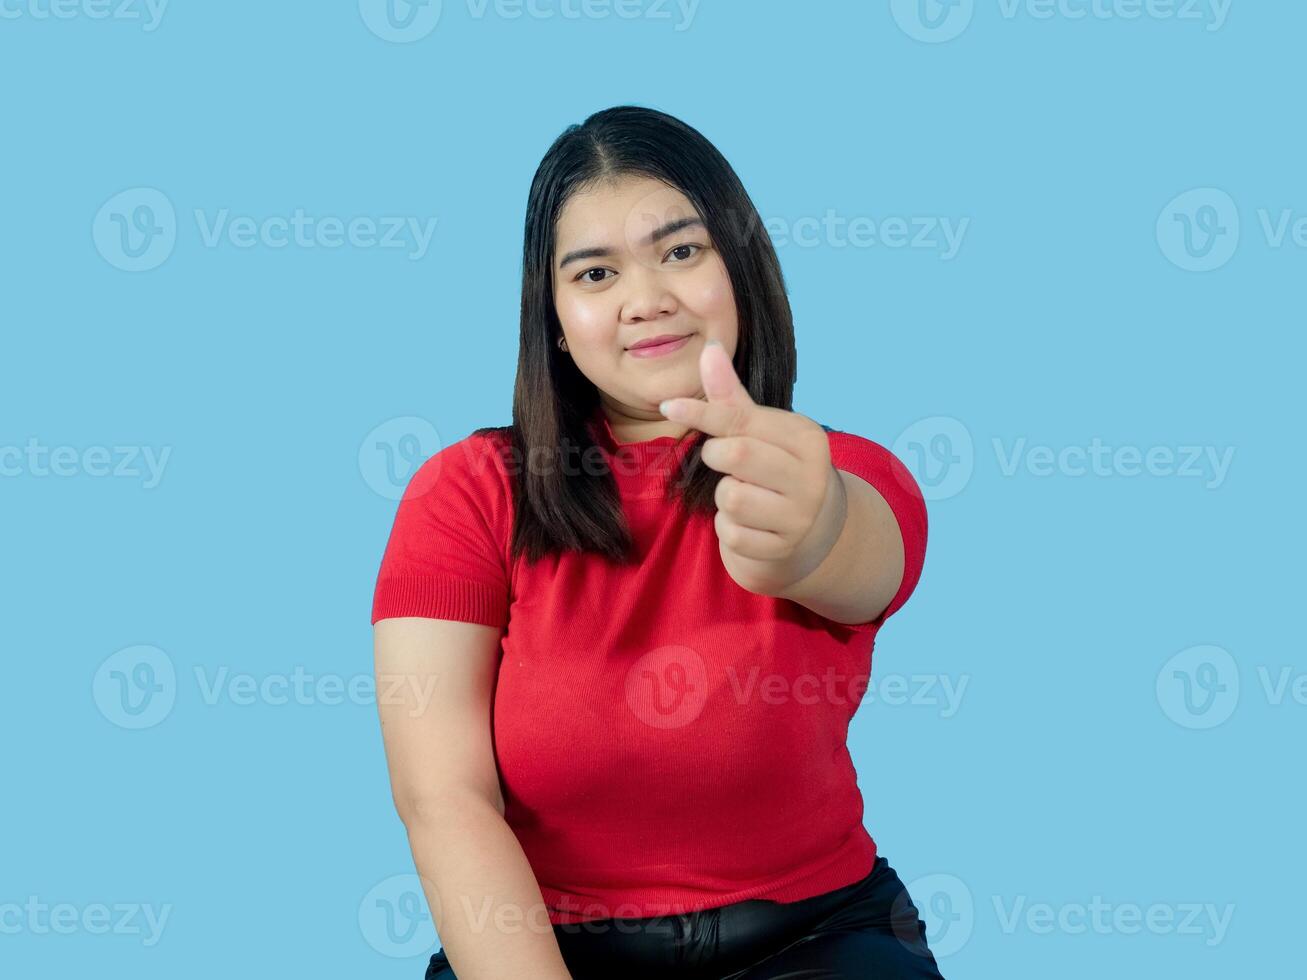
1076 767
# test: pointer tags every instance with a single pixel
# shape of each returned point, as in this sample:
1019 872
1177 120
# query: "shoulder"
886 473
476 467
871 461
448 552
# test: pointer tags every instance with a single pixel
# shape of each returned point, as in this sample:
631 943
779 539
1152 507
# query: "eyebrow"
657 234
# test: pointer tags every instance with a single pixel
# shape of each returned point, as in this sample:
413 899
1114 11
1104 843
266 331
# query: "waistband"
696 945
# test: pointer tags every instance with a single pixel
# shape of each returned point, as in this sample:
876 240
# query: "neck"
631 426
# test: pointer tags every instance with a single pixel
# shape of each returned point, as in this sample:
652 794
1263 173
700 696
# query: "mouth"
660 345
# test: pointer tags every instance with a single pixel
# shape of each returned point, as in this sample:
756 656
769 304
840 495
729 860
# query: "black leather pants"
868 929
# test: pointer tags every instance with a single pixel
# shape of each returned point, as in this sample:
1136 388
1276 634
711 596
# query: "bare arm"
860 575
435 680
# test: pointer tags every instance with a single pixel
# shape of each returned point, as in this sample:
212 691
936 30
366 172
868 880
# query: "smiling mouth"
659 345
658 341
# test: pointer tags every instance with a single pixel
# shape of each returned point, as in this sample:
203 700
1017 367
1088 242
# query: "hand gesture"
781 505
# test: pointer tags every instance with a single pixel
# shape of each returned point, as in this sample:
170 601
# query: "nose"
647 296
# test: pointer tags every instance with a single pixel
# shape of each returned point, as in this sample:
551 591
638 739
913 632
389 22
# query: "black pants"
870 928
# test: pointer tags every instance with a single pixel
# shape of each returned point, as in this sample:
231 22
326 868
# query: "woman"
642 615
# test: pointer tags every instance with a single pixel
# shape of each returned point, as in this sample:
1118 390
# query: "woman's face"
633 261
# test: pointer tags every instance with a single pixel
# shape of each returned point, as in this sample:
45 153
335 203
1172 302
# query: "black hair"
552 399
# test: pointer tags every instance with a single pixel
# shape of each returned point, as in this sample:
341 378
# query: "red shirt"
667 741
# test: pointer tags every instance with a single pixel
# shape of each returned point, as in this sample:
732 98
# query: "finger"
791 432
748 542
763 464
721 385
756 507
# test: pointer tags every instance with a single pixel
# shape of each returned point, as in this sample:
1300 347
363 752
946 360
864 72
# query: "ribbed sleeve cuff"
439 598
897 486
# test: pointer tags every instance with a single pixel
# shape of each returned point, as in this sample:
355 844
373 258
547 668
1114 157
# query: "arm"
435 680
790 522
862 571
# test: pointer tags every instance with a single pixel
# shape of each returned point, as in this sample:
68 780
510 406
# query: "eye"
699 248
584 275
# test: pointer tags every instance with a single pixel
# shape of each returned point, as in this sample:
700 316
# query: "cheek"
582 315
712 296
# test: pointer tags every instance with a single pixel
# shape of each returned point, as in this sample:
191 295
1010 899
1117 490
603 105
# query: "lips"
665 338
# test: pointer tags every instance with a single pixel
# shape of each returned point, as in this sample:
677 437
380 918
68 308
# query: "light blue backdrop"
1052 253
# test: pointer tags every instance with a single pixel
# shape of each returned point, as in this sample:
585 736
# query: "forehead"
618 214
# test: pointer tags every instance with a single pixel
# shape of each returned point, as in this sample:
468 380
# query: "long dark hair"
552 400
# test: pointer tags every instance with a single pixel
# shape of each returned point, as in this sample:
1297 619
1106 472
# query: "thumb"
721 385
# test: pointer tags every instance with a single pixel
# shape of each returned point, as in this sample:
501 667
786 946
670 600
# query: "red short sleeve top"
667 741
